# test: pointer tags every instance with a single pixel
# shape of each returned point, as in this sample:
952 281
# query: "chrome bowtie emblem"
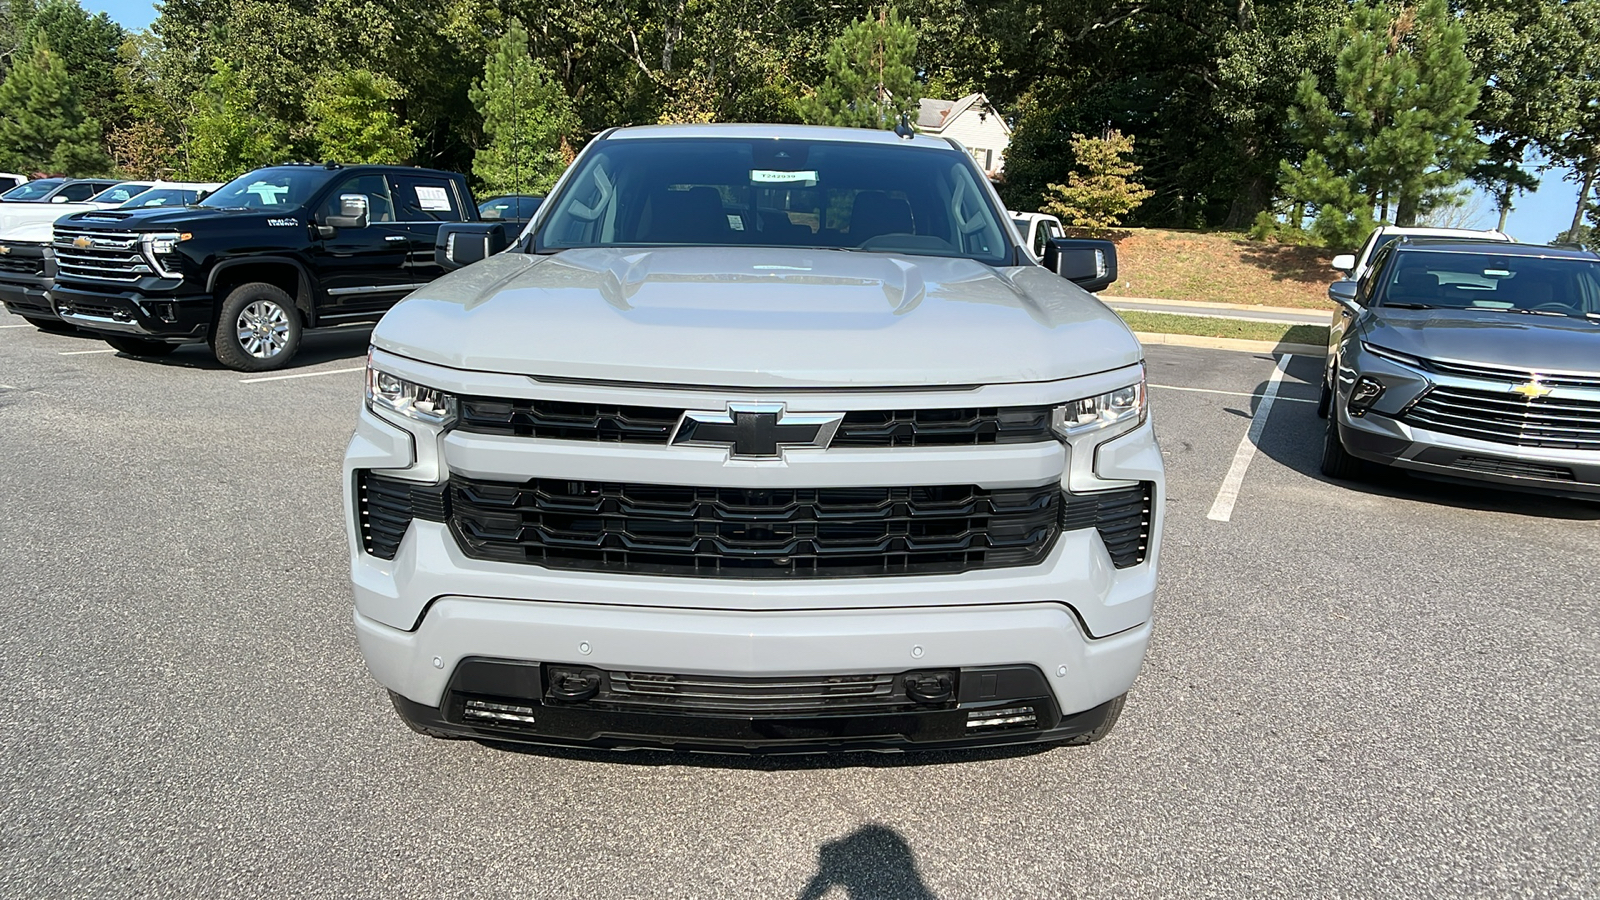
4 250
1533 390
82 243
756 430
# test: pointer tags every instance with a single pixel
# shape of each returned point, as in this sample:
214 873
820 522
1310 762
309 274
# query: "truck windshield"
277 188
675 192
32 190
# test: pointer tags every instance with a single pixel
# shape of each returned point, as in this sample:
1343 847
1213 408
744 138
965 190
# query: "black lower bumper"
165 317
26 299
1513 468
1022 707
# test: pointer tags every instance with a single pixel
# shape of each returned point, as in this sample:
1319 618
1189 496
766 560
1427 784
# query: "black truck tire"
258 328
139 346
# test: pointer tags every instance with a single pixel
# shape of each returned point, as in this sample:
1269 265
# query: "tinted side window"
1369 281
380 207
1041 238
79 192
419 198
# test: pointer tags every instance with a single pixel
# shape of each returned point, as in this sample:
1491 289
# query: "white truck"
757 439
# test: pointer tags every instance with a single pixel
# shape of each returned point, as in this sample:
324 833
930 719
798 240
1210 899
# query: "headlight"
414 401
1123 409
162 252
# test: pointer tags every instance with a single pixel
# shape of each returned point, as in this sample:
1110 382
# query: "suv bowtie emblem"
1533 390
756 430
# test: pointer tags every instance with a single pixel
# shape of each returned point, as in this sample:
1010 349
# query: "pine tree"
528 120
871 82
1398 133
1103 192
44 128
353 120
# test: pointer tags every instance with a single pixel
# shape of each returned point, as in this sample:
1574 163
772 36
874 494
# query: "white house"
972 121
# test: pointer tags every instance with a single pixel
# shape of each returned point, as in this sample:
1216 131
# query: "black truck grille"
750 696
654 425
1506 418
20 261
1122 517
753 533
99 255
385 507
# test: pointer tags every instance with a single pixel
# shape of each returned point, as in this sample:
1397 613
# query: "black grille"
750 696
15 264
654 425
753 533
1513 467
385 507
83 305
1507 418
1122 518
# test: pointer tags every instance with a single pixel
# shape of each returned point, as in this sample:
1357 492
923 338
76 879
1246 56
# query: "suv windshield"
120 193
1439 279
162 197
645 192
273 188
33 190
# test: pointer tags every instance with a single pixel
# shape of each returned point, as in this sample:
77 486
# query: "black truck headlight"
162 252
1117 411
409 399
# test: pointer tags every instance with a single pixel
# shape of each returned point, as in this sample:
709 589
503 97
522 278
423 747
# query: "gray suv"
1475 361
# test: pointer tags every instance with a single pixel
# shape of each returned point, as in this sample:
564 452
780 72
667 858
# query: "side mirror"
1091 265
1345 262
1344 294
464 243
352 212
58 199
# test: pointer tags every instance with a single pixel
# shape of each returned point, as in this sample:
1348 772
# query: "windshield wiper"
1387 305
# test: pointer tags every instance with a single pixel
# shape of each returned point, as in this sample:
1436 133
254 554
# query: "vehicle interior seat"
694 216
875 213
1414 284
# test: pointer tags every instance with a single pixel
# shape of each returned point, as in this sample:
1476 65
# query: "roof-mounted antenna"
904 129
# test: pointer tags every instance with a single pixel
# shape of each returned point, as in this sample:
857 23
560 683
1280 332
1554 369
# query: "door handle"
395 237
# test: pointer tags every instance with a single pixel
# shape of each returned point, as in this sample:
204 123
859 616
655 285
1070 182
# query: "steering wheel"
1553 307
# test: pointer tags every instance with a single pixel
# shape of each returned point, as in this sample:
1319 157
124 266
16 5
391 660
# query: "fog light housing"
1366 392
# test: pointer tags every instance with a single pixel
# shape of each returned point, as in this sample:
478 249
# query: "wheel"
1336 461
1113 712
1324 400
425 731
258 328
140 346
55 325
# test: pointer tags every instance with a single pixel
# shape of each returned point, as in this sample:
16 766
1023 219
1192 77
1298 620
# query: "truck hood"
172 217
758 317
1510 340
16 215
29 233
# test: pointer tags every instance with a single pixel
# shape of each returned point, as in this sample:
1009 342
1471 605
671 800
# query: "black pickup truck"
268 255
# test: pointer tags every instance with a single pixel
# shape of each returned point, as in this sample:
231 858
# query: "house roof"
934 115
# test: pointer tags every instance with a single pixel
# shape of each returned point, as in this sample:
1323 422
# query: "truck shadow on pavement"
316 347
777 762
1294 436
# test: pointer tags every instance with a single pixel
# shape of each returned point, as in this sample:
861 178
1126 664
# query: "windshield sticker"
774 176
433 198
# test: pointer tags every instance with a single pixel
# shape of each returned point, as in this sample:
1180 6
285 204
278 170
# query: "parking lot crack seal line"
1228 494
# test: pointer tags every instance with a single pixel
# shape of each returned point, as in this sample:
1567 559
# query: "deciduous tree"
1103 191
353 119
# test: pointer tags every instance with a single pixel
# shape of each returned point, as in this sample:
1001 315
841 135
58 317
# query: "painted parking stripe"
1228 494
301 375
23 325
1194 390
86 352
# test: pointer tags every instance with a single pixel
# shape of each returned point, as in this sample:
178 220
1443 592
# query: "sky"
1535 217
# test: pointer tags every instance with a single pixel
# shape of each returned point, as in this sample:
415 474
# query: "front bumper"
23 287
173 317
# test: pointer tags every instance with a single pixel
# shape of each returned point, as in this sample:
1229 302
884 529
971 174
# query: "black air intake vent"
385 507
1122 518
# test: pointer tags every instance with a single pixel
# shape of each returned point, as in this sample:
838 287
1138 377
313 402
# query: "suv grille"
753 533
106 256
654 425
1510 376
1506 418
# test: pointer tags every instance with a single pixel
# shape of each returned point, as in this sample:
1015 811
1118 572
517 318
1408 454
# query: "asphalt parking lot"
1385 690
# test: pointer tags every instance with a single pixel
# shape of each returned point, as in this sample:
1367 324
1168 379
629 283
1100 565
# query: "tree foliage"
228 132
44 128
353 120
528 120
1103 191
870 81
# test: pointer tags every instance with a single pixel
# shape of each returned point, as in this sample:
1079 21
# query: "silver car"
1475 361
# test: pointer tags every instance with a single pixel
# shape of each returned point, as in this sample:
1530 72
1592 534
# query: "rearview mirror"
1344 294
1345 262
464 243
352 212
1091 265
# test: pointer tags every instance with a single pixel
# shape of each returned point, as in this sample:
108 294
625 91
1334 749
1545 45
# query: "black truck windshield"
676 192
278 188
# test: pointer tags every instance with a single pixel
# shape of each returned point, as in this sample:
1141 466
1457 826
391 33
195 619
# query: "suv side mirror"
352 212
1345 262
1344 294
58 199
1091 265
464 243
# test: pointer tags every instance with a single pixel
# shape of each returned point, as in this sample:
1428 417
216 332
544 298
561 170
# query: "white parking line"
85 352
300 375
1194 390
1228 494
23 325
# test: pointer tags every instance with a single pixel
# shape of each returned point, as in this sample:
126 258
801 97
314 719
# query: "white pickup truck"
757 439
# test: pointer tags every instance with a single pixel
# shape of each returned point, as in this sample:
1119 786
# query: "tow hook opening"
571 684
930 687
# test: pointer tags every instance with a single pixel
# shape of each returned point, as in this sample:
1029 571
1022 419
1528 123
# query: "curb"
1205 304
1236 344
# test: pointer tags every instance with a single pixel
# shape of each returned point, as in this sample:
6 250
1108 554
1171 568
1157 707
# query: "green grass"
1244 329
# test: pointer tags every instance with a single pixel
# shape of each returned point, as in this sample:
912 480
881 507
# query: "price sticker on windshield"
433 198
775 176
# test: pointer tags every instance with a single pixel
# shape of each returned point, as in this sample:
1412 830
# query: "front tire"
140 346
1325 399
1337 463
258 329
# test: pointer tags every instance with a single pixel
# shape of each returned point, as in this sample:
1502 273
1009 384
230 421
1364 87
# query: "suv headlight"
1120 410
162 252
409 399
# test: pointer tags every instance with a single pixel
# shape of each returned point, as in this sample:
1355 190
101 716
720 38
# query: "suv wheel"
1336 461
140 346
258 328
1325 399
